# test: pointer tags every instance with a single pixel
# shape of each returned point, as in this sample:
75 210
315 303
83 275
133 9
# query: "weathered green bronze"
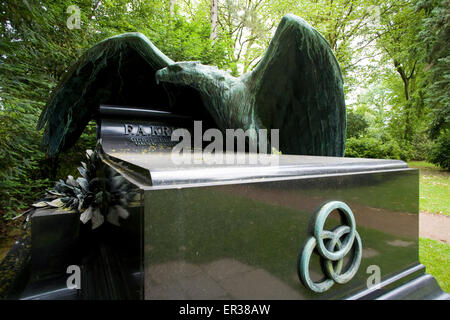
327 253
297 88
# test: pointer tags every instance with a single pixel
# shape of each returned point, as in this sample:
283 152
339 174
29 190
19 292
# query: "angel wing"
118 71
297 88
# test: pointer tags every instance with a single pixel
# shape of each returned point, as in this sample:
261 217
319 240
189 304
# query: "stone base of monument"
243 232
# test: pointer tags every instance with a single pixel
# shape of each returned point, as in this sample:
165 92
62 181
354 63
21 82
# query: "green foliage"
357 125
411 75
435 37
37 48
71 159
420 145
182 36
369 147
20 157
440 152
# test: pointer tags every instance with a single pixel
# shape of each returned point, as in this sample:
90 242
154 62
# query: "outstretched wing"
119 71
298 89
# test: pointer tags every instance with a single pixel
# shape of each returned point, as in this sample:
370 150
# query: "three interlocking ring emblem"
332 246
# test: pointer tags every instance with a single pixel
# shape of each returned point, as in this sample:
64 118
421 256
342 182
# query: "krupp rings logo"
332 246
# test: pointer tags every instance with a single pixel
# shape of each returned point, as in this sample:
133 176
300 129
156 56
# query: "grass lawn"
435 255
434 188
434 198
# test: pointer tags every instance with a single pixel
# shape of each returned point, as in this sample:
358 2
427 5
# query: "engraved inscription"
149 134
155 141
148 130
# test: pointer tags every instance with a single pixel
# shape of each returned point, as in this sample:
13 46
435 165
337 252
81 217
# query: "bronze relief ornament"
332 246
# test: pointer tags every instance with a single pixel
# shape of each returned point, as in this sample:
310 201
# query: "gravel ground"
434 226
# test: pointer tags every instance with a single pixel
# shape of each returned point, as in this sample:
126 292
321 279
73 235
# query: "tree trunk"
171 7
406 83
214 14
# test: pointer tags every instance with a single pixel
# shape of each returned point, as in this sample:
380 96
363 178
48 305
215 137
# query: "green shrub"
69 161
357 125
20 161
24 172
370 147
421 146
440 152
